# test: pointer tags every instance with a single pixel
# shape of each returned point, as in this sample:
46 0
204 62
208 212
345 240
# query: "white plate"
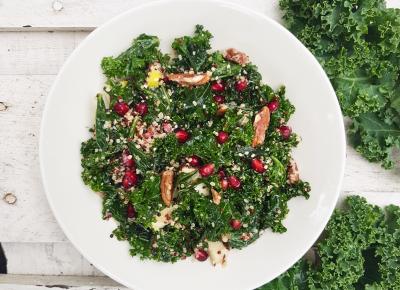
282 59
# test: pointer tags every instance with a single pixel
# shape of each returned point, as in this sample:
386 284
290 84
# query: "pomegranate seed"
207 170
224 184
234 182
273 105
236 224
222 137
127 159
130 211
194 161
219 99
130 179
217 87
241 85
221 173
200 255
257 165
182 135
285 131
141 108
121 108
167 127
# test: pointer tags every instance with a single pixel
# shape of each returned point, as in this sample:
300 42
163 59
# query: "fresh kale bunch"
358 44
360 249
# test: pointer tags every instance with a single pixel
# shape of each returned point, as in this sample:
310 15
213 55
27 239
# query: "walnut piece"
293 172
189 79
222 108
261 123
234 55
216 196
166 186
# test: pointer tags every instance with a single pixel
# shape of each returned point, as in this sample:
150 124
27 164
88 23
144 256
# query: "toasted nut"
189 80
166 186
216 196
261 123
293 172
234 55
222 108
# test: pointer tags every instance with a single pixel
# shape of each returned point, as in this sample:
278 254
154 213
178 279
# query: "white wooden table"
36 37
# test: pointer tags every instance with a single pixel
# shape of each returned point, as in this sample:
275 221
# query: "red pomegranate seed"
200 255
166 80
207 170
121 108
285 131
234 182
194 160
141 108
130 211
217 87
127 159
167 127
130 179
273 105
219 99
221 173
182 135
241 85
222 137
236 224
257 165
224 184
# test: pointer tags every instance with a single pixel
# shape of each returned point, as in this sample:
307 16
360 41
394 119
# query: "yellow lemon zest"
153 78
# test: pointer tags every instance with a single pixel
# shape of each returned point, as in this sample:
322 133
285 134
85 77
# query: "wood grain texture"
76 15
47 259
36 53
29 219
40 282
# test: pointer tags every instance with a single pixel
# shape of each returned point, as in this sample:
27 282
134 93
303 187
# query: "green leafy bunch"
357 43
360 249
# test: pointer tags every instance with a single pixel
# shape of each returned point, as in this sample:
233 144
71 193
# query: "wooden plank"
36 53
40 282
74 15
78 15
47 259
29 219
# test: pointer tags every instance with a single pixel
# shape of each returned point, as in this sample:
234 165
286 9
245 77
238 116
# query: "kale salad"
191 152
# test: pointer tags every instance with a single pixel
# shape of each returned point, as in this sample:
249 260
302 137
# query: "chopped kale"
150 124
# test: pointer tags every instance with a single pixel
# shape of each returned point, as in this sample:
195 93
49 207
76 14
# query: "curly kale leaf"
358 44
133 62
192 50
101 118
293 279
360 249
